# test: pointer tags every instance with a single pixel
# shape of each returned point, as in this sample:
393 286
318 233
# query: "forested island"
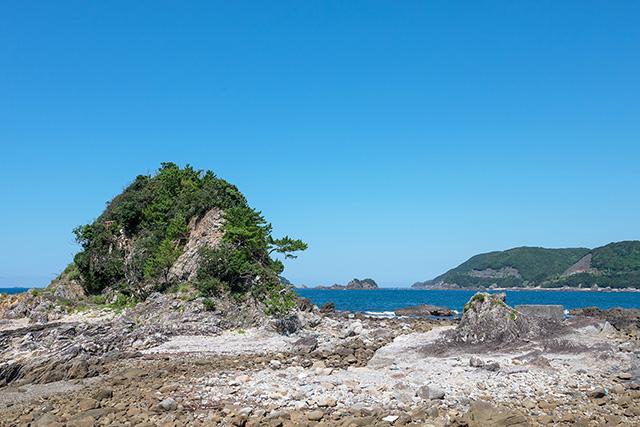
183 227
355 284
615 266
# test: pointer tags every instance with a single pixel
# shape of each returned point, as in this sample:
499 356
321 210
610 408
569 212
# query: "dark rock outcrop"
305 304
328 308
305 345
425 310
620 318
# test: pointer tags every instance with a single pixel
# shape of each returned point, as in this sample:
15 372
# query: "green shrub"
209 305
97 299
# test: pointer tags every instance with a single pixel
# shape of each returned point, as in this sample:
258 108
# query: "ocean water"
385 301
11 291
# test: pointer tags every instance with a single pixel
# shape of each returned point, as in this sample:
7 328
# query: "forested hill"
616 265
183 226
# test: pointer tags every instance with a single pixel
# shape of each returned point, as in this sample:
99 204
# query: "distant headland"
615 266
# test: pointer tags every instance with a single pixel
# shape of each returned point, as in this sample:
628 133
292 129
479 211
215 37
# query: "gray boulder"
487 319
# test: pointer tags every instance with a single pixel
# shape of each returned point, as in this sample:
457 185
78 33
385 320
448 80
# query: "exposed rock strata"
582 266
204 231
620 318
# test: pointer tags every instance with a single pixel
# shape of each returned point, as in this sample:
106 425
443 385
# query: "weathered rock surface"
618 317
483 414
425 310
204 231
69 290
169 362
328 307
489 320
78 345
305 304
363 371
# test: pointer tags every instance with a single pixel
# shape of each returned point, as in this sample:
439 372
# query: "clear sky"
396 138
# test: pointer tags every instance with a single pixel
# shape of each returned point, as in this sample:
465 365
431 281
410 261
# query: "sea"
11 291
383 302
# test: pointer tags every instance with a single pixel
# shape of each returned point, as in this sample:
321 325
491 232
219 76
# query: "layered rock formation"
204 231
620 318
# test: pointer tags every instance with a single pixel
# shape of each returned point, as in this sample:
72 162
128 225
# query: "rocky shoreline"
169 362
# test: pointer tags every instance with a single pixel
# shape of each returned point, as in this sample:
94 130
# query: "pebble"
167 404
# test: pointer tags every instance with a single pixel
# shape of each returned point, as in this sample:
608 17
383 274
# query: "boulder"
286 324
305 304
487 319
17 311
69 290
483 414
425 310
619 318
305 345
476 362
167 404
430 393
328 308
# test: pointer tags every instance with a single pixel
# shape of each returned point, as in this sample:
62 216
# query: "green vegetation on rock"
366 282
532 265
616 265
132 246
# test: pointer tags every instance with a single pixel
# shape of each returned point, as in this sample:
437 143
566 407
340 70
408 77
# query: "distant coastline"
534 289
517 288
13 290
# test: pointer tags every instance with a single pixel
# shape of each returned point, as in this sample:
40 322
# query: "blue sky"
396 138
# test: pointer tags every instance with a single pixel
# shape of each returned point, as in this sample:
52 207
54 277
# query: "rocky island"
355 284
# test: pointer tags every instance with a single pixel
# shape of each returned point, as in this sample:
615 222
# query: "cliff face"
582 266
203 231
